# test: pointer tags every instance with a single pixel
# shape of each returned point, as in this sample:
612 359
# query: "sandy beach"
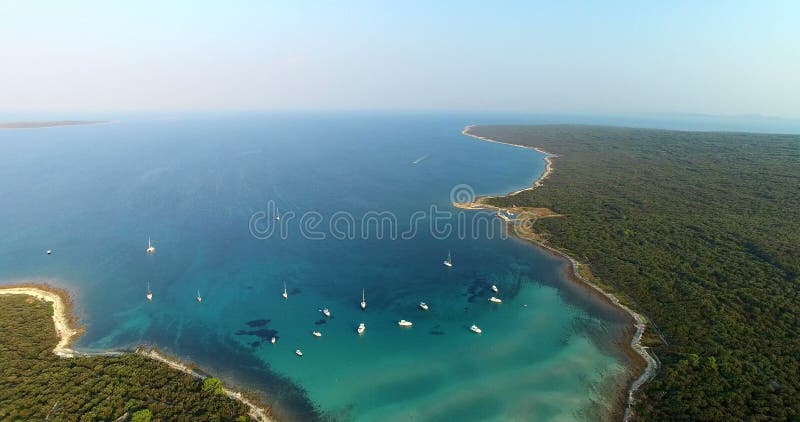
524 231
548 160
62 318
256 412
61 313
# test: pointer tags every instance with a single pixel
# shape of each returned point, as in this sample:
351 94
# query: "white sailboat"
277 214
298 353
361 328
49 252
494 288
449 261
149 292
150 248
404 323
424 306
363 301
199 298
316 333
495 300
326 312
285 293
273 340
475 329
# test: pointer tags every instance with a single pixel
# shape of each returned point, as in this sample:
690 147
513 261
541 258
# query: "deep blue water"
198 185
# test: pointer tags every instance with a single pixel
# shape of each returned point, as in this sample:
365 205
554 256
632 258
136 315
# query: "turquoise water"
199 185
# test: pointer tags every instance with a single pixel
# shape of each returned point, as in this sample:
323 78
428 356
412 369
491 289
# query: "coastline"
256 412
67 332
651 364
548 161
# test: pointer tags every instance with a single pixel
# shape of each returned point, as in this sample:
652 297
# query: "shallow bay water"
200 185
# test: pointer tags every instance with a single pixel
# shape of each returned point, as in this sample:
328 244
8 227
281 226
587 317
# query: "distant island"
44 379
48 123
698 232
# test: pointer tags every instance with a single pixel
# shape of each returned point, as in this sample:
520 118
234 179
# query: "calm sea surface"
205 190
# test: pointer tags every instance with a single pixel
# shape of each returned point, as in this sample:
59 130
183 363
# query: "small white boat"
494 288
363 300
326 312
404 323
424 306
277 214
150 248
199 298
495 300
298 353
285 293
273 340
149 292
475 329
316 333
449 261
49 252
361 328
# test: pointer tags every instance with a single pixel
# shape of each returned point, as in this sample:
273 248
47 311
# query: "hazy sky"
717 57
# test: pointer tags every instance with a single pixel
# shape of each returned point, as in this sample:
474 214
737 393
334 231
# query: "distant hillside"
52 123
701 233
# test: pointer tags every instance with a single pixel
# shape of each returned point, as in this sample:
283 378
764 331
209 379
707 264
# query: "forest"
35 384
698 231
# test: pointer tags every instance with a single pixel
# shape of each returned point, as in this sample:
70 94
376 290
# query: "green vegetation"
698 231
143 415
212 386
35 384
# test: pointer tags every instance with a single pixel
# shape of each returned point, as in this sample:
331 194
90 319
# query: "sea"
365 205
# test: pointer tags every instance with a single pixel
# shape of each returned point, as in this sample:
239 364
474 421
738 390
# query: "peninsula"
137 386
697 232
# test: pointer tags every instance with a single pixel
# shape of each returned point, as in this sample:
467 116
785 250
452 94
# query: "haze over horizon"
726 58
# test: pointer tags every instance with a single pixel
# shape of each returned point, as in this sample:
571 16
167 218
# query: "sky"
710 57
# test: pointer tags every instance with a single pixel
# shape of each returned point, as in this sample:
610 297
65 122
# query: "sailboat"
361 328
277 214
149 292
449 261
285 294
150 248
199 298
363 301
494 288
475 329
326 312
316 333
495 300
424 306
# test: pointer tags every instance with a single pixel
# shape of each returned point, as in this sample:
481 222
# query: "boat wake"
418 160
